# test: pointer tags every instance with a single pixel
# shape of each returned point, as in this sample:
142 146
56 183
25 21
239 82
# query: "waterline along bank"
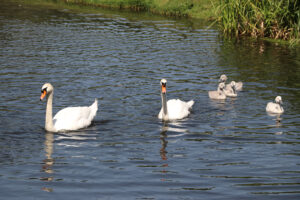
201 9
264 19
268 19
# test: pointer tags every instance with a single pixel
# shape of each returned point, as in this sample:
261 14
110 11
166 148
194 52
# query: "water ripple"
225 149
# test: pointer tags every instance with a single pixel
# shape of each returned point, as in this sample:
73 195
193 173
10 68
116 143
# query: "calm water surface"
228 149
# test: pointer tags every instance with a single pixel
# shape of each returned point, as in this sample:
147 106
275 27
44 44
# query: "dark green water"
228 149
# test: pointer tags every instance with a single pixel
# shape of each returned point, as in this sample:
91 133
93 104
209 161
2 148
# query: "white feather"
74 118
177 109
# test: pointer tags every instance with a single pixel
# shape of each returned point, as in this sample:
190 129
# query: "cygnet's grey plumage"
238 85
223 78
219 94
275 107
231 91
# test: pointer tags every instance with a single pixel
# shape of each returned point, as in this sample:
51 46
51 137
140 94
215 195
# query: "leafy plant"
277 19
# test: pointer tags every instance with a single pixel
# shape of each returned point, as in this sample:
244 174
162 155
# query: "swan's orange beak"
44 92
163 88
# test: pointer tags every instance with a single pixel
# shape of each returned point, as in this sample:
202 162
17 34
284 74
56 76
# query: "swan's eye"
44 90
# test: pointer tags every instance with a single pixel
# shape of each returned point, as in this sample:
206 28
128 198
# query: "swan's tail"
191 103
94 109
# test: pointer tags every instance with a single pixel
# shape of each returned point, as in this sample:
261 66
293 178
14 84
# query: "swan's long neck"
279 105
165 115
220 91
234 90
49 120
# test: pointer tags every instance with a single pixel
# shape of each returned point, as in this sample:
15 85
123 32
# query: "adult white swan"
67 119
275 107
238 85
175 108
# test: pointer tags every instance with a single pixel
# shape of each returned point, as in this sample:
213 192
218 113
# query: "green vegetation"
275 19
201 9
272 19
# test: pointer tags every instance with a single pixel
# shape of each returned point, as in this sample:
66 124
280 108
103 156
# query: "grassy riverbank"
272 19
200 9
277 20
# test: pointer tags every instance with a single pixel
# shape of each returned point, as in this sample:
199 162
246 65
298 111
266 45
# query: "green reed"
277 19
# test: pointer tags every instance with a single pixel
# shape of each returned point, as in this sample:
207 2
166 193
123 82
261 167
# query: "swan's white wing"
74 118
178 109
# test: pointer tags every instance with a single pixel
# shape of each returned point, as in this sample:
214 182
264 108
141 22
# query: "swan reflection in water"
163 152
47 163
164 142
277 118
171 128
76 138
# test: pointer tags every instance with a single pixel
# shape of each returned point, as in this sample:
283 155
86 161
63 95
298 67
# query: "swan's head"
46 89
278 100
221 86
223 78
163 84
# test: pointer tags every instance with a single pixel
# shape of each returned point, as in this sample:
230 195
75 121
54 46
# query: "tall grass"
277 19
